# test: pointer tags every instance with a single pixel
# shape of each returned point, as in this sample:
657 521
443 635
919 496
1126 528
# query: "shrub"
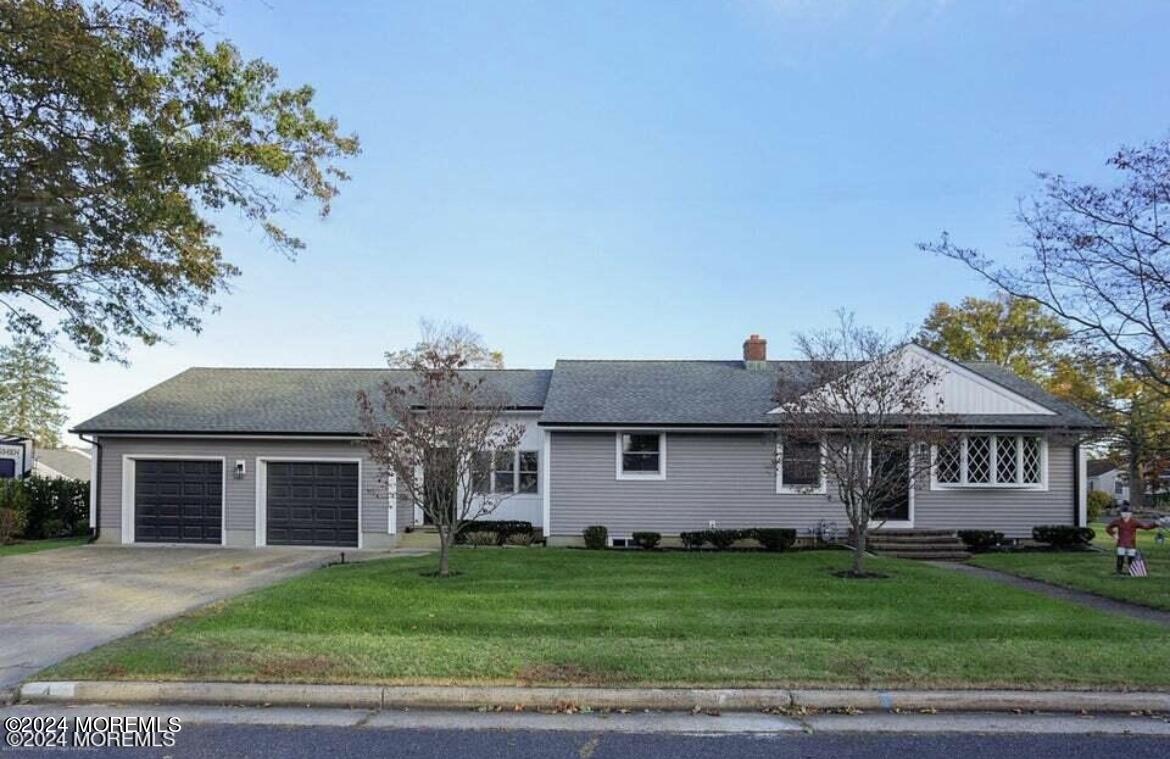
13 510
647 540
596 536
481 538
774 538
52 508
12 523
1098 501
693 540
723 539
1063 535
980 540
501 530
520 538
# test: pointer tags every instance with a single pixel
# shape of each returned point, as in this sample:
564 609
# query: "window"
481 472
504 472
800 469
983 460
949 462
529 468
641 456
496 472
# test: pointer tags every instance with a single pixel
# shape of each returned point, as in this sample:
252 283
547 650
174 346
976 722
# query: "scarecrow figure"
1124 529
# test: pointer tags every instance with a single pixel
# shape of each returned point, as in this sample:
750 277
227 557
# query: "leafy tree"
123 134
1015 333
31 388
1138 416
1098 258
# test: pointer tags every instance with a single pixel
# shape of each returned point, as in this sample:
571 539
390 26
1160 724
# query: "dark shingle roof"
727 393
663 393
277 401
1097 467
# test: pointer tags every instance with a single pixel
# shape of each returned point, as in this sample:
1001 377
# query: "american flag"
1137 567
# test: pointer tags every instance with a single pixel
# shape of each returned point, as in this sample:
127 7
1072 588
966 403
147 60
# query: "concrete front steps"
926 545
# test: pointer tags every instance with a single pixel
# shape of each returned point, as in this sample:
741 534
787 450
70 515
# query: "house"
63 463
255 457
1104 475
16 456
1107 476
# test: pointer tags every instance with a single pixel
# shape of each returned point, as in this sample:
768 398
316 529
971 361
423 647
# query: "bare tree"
872 406
1098 258
432 429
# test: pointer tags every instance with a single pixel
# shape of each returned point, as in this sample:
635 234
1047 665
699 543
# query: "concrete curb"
658 699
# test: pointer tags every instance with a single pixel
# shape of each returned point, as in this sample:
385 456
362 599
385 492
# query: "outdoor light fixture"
240 469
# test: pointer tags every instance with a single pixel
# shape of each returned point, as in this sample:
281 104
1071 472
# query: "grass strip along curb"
573 699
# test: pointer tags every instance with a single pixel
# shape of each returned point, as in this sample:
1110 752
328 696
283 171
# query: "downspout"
1076 452
95 529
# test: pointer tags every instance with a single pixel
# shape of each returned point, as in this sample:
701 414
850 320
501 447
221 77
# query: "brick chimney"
755 352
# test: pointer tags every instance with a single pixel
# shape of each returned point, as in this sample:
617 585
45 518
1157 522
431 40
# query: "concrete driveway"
58 603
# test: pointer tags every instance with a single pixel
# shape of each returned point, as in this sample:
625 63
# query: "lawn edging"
570 698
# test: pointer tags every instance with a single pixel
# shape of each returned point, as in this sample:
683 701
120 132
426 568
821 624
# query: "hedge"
1063 535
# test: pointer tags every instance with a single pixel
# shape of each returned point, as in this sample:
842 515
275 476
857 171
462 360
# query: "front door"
891 464
439 486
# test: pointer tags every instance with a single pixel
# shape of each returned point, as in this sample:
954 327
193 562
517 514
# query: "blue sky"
659 179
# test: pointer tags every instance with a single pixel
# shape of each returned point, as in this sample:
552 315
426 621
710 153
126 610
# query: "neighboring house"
63 463
16 456
1109 477
274 457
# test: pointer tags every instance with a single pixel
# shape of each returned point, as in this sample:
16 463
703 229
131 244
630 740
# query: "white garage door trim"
129 461
262 495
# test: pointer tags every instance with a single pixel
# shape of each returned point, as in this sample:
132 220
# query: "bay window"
988 460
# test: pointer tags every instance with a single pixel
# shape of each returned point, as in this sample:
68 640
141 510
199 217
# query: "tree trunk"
444 542
859 534
1137 484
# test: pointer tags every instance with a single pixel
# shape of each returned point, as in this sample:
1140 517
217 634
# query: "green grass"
626 618
1093 571
33 546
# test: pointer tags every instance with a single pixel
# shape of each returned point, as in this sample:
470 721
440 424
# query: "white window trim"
518 471
129 464
819 489
640 476
963 484
262 497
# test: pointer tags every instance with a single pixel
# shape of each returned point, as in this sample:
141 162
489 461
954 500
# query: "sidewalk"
1092 600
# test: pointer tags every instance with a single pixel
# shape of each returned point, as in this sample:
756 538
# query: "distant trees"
31 390
1015 333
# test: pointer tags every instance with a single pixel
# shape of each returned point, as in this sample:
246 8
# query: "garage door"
312 503
178 501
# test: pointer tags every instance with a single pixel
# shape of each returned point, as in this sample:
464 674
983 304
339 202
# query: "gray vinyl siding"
240 494
729 478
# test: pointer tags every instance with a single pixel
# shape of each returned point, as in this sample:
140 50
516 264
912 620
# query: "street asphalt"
242 741
339 733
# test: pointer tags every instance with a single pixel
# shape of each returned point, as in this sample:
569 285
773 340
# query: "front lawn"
33 546
670 618
1093 571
